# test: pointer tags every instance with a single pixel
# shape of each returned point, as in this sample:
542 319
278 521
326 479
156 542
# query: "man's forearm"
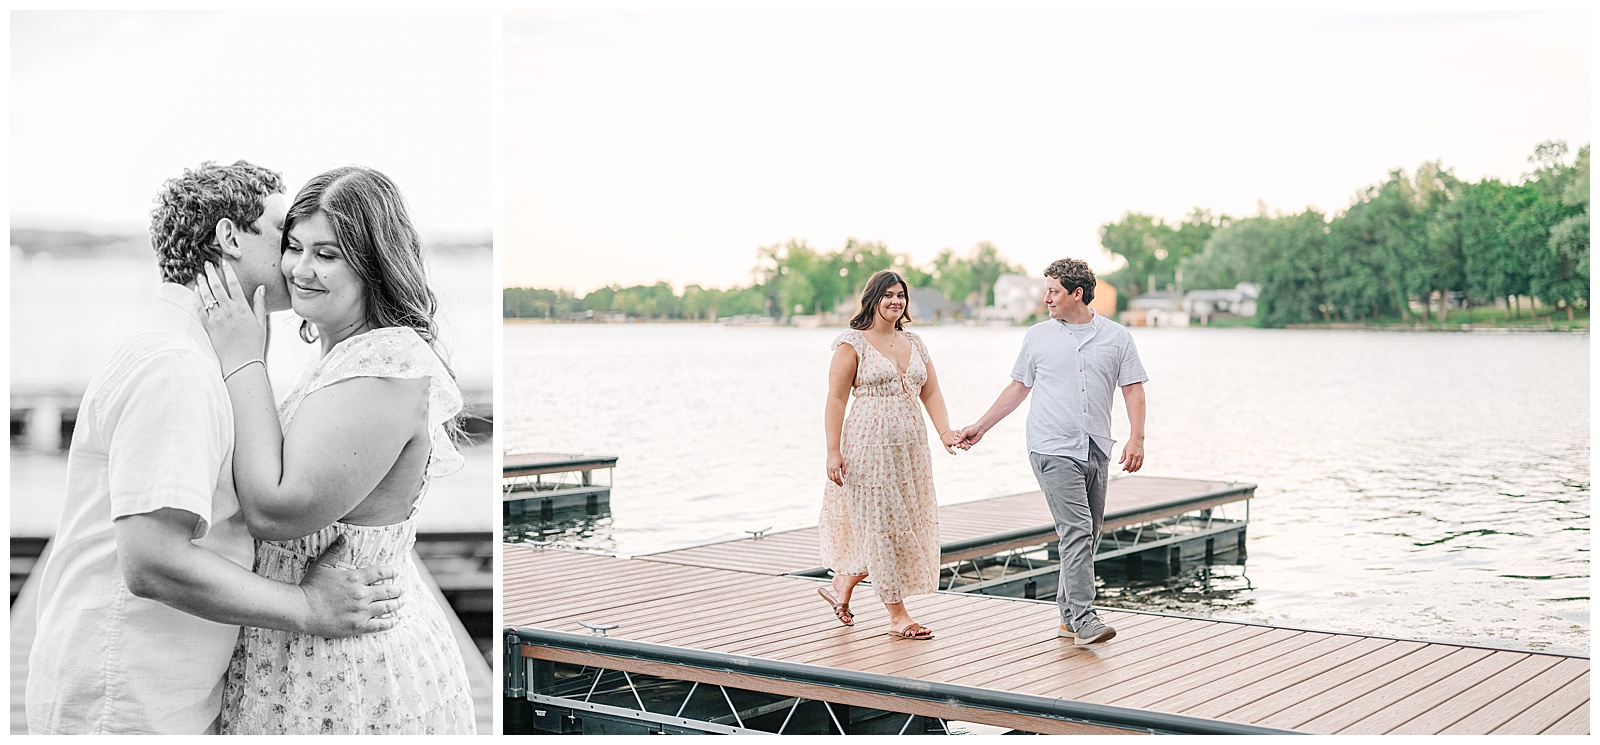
166 567
1133 396
1009 399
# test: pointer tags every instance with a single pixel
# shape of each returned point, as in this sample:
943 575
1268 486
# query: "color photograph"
252 372
1049 370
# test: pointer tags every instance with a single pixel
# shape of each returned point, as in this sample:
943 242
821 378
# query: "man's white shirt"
154 431
1073 371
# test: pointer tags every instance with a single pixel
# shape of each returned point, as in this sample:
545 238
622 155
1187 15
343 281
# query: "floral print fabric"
407 680
884 521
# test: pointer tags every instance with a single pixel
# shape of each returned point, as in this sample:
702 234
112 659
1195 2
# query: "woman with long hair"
346 456
879 515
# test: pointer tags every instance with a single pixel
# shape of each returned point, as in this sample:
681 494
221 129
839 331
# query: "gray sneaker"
1090 631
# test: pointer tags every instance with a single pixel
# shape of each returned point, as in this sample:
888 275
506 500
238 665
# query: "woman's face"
323 288
893 303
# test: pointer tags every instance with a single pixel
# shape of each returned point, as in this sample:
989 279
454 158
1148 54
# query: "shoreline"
1574 328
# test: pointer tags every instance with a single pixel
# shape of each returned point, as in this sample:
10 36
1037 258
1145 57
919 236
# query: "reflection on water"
1198 591
1422 485
575 529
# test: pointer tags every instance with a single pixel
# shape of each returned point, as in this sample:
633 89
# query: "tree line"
791 278
1410 237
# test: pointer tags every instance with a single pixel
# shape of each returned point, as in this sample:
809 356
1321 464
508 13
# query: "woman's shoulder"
852 337
916 341
392 351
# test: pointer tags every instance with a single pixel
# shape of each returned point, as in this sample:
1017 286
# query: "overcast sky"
642 146
105 106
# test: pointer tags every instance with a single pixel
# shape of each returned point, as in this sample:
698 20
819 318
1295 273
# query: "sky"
644 146
105 106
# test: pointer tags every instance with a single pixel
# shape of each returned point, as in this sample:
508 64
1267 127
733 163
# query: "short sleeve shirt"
1072 371
154 431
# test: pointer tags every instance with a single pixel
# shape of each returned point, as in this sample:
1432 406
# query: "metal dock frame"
525 667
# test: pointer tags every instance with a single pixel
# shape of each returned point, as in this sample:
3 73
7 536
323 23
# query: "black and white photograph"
252 315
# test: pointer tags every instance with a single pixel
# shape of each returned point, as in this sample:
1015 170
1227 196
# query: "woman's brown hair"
878 284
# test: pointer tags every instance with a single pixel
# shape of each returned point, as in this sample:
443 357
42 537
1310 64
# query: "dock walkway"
773 634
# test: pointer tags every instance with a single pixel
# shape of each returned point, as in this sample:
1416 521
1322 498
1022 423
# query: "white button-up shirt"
154 430
1073 370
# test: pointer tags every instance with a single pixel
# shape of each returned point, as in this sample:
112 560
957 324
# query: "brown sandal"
842 610
914 631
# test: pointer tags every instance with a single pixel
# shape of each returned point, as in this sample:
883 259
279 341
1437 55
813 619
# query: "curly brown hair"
183 224
1072 274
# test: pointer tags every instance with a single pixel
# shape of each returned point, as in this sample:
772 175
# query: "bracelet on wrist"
243 366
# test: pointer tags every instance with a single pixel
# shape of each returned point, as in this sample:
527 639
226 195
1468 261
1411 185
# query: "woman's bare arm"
841 377
933 401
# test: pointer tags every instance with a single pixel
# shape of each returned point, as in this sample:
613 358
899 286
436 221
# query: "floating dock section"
1005 545
543 483
732 637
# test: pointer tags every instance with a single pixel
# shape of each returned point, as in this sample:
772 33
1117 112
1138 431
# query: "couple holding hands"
879 513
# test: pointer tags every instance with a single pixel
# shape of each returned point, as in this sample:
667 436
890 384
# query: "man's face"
1059 301
257 265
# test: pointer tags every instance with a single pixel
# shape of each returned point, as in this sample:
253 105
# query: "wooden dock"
701 617
973 529
479 676
543 483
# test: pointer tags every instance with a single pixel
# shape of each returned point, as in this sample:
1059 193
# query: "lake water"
1420 485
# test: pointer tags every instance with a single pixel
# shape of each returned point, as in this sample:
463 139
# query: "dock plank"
1225 675
1495 715
1339 651
1396 691
1547 711
1428 699
1250 674
1464 703
1575 723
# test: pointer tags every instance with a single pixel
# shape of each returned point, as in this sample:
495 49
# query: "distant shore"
1579 326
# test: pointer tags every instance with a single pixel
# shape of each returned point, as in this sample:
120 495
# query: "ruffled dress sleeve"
922 349
394 352
851 337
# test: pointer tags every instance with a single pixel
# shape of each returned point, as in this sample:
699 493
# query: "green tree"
952 276
600 300
1138 239
1559 271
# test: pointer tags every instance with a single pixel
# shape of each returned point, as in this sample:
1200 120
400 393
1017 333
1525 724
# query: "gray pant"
1076 493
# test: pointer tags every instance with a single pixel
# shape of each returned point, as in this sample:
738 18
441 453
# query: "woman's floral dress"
407 680
884 521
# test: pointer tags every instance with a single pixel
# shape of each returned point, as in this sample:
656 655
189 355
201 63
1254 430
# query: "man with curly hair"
149 576
1076 361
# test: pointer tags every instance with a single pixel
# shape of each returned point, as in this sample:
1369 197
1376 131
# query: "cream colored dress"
407 680
884 521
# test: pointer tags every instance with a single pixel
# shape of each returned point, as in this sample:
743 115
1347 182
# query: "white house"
1201 305
1015 298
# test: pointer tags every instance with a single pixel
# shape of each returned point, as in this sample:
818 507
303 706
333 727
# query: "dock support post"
44 425
517 710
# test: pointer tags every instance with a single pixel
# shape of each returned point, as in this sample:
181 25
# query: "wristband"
241 367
